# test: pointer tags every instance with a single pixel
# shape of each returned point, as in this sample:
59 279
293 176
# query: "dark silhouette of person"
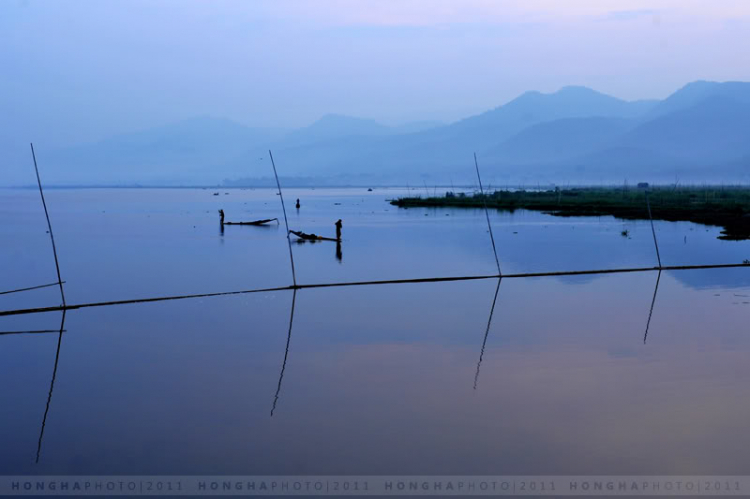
221 216
297 205
338 229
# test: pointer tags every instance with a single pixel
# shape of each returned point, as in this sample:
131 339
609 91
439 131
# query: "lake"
373 380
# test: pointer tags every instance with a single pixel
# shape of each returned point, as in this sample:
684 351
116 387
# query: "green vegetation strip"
727 207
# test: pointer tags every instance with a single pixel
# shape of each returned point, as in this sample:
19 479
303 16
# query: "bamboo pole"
31 288
371 283
487 214
36 331
286 222
653 231
49 225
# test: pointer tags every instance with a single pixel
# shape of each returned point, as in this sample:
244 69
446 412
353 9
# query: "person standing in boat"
221 216
338 230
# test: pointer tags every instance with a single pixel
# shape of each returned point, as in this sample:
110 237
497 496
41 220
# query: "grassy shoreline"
726 207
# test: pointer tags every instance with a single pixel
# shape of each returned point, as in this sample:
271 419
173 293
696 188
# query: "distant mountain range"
699 133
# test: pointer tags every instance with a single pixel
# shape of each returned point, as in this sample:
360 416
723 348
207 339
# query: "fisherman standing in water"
338 230
221 216
297 205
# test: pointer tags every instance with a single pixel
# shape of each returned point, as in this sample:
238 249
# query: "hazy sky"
79 70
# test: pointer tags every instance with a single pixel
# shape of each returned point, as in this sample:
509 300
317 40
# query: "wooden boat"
255 222
312 237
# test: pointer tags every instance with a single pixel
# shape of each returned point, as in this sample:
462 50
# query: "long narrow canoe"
255 222
312 237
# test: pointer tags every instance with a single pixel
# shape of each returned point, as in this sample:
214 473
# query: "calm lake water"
387 379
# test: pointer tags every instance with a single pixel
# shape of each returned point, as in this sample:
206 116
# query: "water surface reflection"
386 380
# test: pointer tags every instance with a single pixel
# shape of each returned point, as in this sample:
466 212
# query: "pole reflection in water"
487 332
51 387
286 353
651 310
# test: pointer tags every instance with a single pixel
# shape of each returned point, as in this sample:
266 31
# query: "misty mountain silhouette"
715 129
574 134
692 93
332 126
551 140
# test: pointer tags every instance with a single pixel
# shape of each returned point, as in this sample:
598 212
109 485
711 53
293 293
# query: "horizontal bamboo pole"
31 288
371 283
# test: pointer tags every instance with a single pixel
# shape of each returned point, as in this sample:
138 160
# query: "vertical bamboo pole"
286 222
49 226
653 231
487 214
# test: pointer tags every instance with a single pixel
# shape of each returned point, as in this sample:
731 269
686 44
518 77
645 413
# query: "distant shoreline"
723 206
416 189
233 187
